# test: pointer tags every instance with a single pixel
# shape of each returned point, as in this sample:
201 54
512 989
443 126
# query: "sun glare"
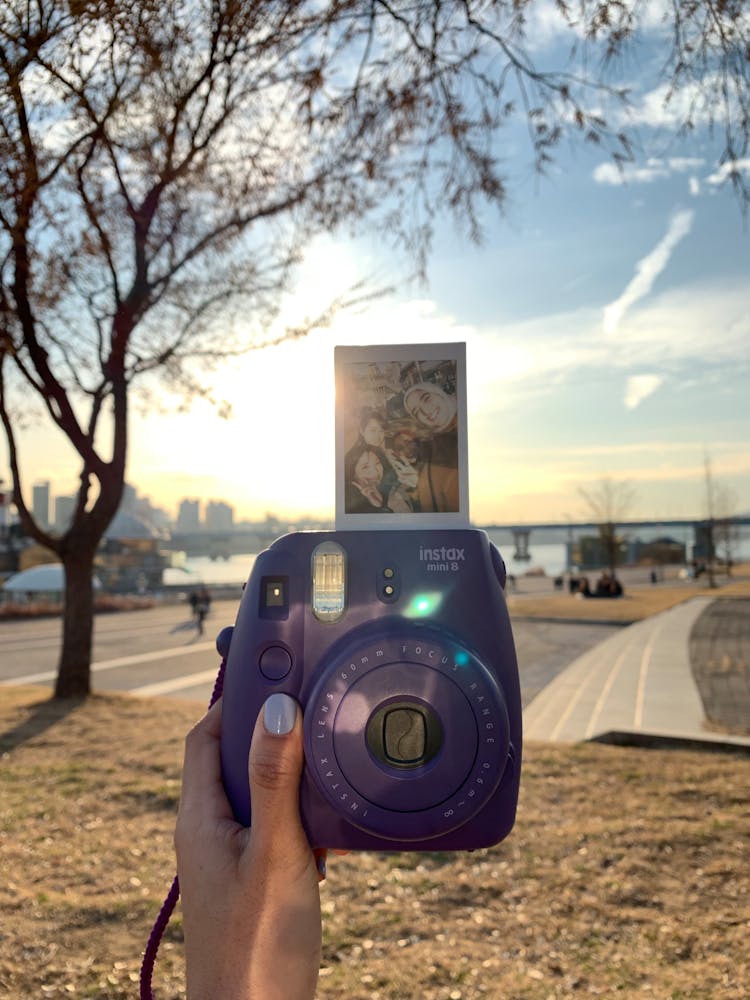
276 451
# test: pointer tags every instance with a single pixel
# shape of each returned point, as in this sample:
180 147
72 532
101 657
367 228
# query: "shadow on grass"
653 741
42 715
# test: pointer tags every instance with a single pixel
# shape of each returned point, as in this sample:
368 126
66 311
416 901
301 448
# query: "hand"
250 901
405 471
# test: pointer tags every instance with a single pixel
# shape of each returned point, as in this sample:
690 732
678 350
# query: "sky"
607 321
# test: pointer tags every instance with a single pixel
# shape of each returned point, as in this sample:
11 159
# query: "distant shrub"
103 604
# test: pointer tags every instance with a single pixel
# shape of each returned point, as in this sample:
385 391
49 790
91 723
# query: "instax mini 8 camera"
398 646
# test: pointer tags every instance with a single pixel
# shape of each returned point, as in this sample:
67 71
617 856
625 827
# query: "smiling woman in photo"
435 411
364 475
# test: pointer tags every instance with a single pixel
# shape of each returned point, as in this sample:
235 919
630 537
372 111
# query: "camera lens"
404 735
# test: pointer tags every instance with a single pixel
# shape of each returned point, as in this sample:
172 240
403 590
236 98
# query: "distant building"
141 508
64 509
590 552
157 516
219 516
40 504
129 495
130 558
189 516
660 552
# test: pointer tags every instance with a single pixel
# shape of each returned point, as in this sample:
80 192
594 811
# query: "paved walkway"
637 684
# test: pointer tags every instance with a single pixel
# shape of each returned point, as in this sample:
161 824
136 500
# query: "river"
550 557
236 569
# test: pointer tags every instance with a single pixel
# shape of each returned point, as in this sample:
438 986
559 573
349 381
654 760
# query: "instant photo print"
401 437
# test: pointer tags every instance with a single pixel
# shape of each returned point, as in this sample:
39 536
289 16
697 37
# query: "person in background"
193 599
202 607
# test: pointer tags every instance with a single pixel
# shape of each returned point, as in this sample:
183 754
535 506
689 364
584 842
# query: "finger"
202 788
276 758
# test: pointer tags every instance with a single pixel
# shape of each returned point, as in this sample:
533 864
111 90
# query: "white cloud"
665 106
684 331
684 163
727 169
640 387
654 169
648 269
609 173
545 25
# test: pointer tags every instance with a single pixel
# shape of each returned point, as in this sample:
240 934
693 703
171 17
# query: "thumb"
276 757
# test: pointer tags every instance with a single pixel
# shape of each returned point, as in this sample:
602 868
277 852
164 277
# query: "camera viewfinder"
274 597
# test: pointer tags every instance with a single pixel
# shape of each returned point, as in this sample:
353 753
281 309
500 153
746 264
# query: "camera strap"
165 914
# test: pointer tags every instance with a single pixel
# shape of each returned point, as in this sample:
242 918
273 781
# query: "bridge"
222 544
253 539
707 532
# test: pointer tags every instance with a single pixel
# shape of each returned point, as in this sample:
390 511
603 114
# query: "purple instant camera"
398 646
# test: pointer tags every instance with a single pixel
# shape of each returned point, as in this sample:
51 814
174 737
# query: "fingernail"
279 714
320 861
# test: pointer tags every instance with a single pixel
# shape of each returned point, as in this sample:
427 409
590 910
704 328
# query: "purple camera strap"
160 925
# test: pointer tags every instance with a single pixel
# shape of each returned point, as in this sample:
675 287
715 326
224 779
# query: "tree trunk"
608 535
74 669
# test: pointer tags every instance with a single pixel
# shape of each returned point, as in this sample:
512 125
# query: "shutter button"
275 663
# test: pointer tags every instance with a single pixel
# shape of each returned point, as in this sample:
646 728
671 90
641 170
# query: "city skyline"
195 514
607 321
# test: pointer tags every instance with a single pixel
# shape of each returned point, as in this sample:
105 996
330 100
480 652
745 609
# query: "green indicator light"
423 604
462 659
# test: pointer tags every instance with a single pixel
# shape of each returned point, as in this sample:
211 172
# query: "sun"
275 452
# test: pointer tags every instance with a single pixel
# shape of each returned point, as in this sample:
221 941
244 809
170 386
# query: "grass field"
638 602
627 874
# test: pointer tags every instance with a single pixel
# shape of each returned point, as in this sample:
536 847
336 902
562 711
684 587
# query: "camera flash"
328 582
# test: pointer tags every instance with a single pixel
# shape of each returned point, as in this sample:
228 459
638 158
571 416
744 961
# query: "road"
135 651
147 654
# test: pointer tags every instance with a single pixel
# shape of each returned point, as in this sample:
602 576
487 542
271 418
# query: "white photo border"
402 354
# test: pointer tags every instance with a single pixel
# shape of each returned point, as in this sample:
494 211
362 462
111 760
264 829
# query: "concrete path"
638 682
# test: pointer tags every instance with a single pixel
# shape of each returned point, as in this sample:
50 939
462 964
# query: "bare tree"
708 527
719 532
609 503
162 166
727 529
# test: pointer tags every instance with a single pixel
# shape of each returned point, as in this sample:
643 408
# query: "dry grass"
637 602
627 874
